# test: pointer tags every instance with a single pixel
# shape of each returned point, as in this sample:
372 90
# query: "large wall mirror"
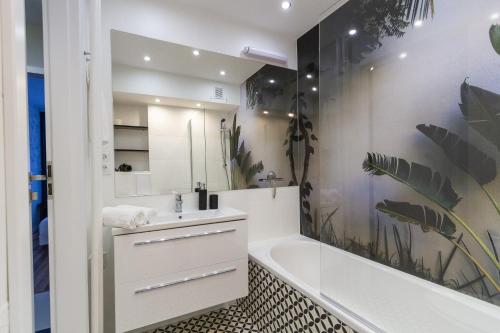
184 116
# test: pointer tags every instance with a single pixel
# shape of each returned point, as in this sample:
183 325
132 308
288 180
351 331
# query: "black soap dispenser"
202 197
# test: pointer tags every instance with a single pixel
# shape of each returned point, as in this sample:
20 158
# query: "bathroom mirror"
183 116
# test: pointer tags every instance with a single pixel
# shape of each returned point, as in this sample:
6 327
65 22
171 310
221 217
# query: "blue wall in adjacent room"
36 105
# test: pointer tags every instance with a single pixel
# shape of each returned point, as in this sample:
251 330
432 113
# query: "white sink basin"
169 220
167 217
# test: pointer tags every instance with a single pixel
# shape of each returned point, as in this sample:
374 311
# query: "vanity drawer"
157 253
150 301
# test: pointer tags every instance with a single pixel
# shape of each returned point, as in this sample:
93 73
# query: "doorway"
39 216
38 164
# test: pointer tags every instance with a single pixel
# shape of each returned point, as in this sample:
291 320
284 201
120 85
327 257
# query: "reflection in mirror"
185 118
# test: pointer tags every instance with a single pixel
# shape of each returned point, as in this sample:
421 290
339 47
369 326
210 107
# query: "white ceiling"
129 49
267 14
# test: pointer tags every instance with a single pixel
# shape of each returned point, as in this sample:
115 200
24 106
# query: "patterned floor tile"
231 320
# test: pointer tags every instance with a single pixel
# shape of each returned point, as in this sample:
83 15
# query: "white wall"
216 176
170 148
133 80
4 315
164 20
130 114
170 142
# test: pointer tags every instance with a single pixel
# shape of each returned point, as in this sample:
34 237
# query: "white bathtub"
371 297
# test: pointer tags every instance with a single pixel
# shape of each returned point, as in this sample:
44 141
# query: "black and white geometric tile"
231 320
272 306
276 307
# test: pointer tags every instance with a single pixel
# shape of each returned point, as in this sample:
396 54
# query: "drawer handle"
200 234
184 280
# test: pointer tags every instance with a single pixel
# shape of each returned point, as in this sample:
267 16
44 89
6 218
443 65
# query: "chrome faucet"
272 179
178 202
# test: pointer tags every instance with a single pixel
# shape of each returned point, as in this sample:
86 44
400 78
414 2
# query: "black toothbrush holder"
214 201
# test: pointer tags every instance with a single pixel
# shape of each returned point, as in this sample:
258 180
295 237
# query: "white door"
65 44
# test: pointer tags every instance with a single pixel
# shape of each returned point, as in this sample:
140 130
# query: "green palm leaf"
477 164
495 37
425 217
417 8
234 139
253 170
419 177
241 159
429 220
481 109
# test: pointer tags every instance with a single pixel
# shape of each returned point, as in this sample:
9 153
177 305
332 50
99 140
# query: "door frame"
16 163
4 300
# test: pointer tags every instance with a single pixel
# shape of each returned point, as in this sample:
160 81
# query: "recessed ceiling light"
271 81
403 55
196 52
495 16
352 32
418 23
147 58
314 89
222 73
198 105
157 100
291 115
372 68
309 76
265 112
286 5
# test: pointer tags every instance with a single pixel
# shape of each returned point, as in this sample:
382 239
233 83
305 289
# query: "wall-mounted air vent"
218 93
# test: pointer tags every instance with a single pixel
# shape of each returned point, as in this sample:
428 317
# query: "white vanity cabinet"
170 272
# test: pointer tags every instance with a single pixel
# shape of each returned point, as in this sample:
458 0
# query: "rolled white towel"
149 213
123 217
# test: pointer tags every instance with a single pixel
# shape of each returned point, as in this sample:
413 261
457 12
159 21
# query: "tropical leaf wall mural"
464 155
243 170
423 216
427 131
430 220
481 167
495 37
266 117
300 133
481 110
418 177
417 9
